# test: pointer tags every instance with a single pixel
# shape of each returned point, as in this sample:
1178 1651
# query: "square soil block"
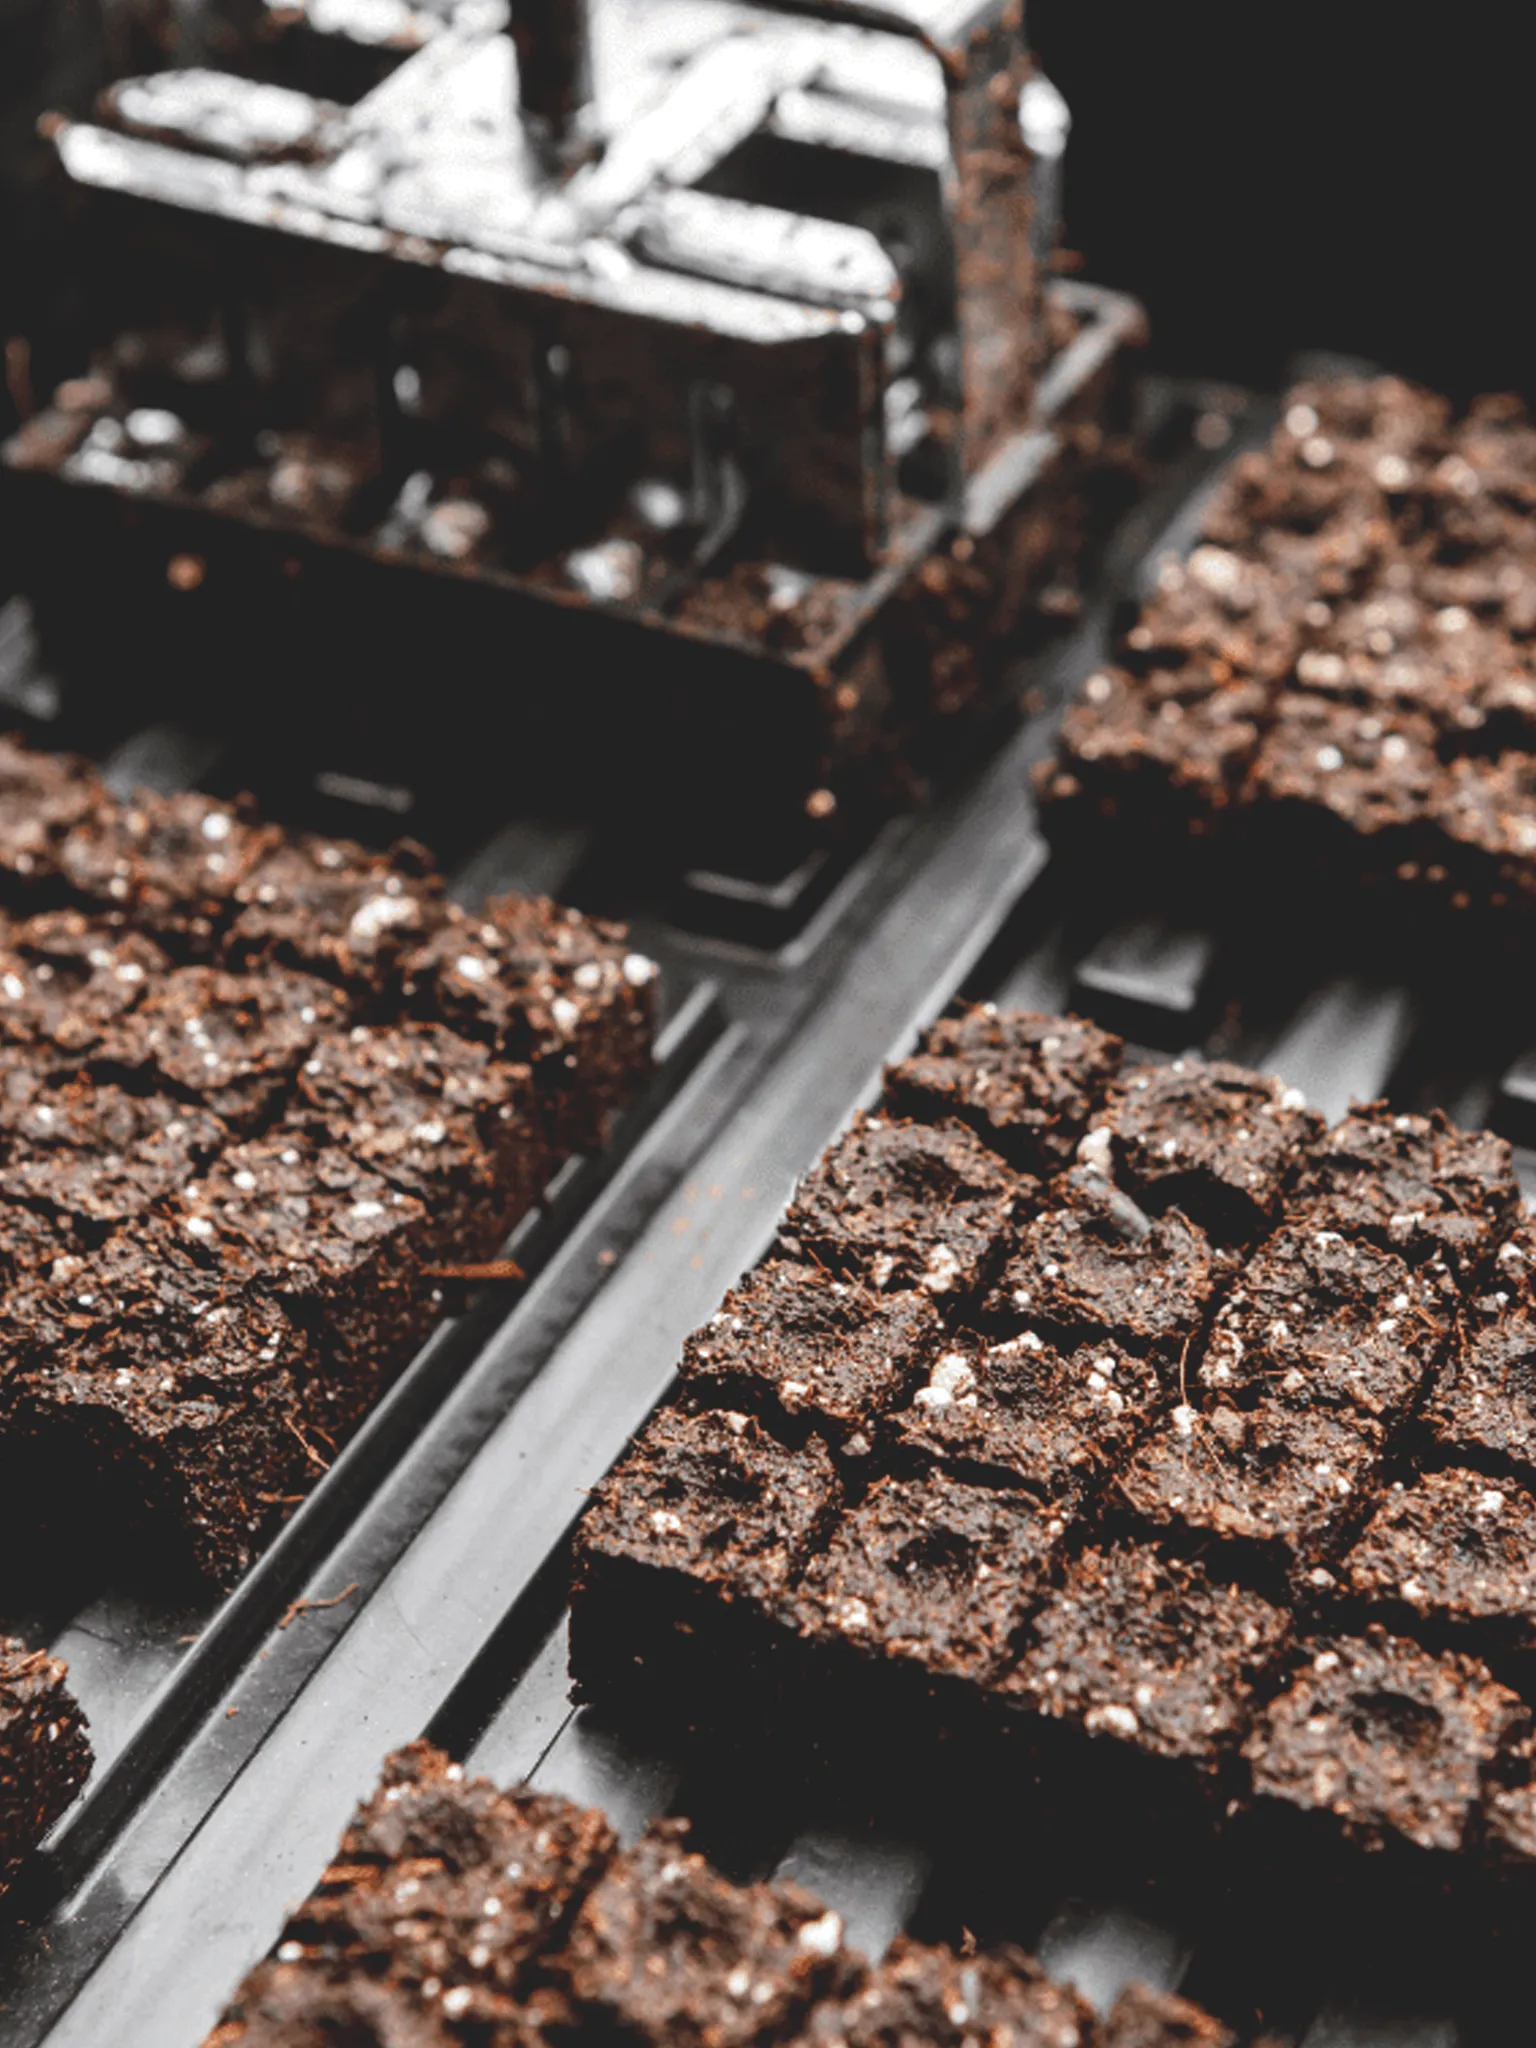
1214 1140
94 1156
1388 1740
565 995
329 907
1020 1411
200 1410
1168 755
1325 1321
1098 1266
664 1950
832 1351
438 1117
1416 1185
715 1499
700 1534
442 1876
66 980
927 1994
1455 1550
1152 1651
336 1245
904 1205
1027 1085
45 1757
1484 1402
229 1042
169 865
931 1572
1288 1483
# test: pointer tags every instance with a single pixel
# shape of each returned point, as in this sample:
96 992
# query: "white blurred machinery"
726 320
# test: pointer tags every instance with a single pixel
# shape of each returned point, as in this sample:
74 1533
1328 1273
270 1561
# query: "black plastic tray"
450 1547
465 1637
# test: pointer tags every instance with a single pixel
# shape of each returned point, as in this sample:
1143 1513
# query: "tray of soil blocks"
1099 1531
1331 701
272 1105
544 1352
1089 1520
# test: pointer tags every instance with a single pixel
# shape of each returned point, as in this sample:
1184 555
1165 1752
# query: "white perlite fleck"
952 1377
1094 1152
1027 1340
821 1937
375 917
941 1270
1215 570
1116 1719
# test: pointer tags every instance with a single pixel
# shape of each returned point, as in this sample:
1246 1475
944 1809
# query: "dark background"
1353 175
1350 176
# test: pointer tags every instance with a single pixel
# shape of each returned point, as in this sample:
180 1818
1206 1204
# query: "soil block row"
458 1913
1340 682
257 1092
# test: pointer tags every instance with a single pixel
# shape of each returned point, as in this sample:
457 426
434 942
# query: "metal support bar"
554 77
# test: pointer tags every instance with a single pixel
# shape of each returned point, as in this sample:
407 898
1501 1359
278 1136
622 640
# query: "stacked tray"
454 1626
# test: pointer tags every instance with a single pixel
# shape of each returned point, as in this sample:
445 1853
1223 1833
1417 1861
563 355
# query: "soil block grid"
265 1095
1338 686
863 1340
1129 1419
